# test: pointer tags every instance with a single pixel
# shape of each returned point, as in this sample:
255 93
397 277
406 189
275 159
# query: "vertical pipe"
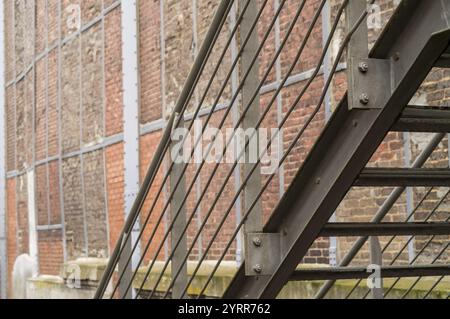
46 116
235 116
326 29
3 253
409 191
32 224
83 187
376 259
198 182
130 65
162 39
358 47
280 139
16 162
59 119
253 187
105 176
31 174
178 222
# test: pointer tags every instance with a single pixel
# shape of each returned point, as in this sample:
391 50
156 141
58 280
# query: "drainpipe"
326 20
3 253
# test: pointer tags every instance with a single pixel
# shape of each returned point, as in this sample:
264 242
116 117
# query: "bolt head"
364 99
363 67
257 269
257 242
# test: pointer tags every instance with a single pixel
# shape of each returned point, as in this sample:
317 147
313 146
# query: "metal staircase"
381 84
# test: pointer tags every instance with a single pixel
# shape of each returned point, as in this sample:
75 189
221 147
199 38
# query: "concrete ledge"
90 271
51 287
340 290
216 288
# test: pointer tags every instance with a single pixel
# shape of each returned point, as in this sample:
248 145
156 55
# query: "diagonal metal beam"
444 60
373 177
384 229
424 119
415 38
342 273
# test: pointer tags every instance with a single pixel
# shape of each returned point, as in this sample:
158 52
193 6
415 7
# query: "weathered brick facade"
64 122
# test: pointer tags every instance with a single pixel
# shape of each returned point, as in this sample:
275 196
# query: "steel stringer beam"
414 39
379 177
362 273
384 229
429 119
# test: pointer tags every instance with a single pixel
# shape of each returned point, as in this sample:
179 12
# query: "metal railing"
209 45
165 220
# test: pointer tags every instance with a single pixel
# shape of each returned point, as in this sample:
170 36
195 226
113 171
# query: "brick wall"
148 144
150 61
92 85
74 208
115 190
54 111
41 111
113 67
70 96
51 252
95 204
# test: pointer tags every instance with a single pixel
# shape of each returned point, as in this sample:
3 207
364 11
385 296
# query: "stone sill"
90 271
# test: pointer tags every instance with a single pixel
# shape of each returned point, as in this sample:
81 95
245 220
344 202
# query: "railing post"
376 258
358 49
253 187
369 85
358 46
179 222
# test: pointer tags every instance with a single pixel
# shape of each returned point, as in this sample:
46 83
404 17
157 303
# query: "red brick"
113 73
115 190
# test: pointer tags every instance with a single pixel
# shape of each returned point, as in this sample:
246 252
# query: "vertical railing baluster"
357 50
178 218
254 222
376 258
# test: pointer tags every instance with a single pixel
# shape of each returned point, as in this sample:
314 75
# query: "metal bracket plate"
369 83
263 253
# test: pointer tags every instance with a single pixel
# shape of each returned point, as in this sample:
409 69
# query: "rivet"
363 67
364 99
257 241
257 269
396 56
